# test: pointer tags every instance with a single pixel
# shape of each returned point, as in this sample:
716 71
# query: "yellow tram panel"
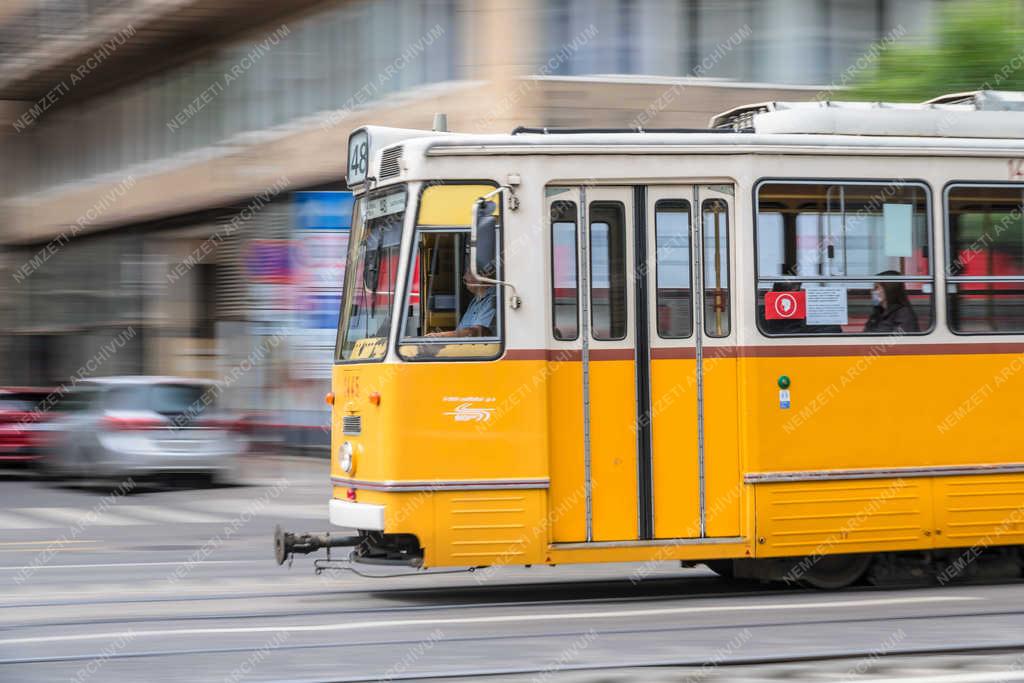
855 516
982 510
722 472
873 411
567 493
676 485
613 460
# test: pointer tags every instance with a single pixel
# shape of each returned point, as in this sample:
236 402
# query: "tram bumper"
362 516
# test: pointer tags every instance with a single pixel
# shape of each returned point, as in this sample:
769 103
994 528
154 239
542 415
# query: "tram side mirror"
485 237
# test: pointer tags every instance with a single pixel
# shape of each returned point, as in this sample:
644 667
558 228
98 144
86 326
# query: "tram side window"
672 268
608 308
565 296
716 267
985 266
448 312
843 258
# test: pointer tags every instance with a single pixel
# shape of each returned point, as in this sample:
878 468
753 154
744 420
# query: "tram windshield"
370 276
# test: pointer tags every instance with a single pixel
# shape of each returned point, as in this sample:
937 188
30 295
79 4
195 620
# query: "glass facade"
746 40
344 55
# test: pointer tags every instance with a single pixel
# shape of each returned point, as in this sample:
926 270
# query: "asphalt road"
180 585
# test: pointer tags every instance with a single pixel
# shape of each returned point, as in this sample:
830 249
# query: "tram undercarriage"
824 572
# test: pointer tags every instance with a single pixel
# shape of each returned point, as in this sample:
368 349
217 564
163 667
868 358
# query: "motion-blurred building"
171 169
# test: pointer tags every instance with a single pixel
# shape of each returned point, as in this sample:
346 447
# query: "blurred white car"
143 426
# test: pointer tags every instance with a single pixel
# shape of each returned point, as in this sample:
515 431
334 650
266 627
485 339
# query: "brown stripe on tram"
883 347
561 355
569 354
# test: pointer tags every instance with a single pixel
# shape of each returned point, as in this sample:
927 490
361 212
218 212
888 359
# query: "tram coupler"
287 544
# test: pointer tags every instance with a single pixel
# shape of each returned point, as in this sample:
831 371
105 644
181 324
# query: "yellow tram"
788 346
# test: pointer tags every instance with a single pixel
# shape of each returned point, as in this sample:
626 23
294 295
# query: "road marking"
76 516
130 564
257 508
10 521
56 540
209 512
59 548
562 616
235 506
159 513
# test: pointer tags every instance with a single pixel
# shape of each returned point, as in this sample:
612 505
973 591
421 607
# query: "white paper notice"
827 306
898 222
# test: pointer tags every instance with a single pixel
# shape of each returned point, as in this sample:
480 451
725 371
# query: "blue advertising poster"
322 224
323 210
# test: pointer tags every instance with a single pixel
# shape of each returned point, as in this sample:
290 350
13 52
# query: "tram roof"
709 141
975 124
986 114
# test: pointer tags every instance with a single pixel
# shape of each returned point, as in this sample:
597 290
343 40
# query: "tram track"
359 612
412 609
542 617
727 589
1015 646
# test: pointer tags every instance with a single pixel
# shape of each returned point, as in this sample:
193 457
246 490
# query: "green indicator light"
784 382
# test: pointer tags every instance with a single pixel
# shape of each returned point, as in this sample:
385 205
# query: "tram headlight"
345 457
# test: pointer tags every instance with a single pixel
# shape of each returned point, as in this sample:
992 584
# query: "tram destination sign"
385 205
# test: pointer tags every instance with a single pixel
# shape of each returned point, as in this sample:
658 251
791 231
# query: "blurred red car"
22 410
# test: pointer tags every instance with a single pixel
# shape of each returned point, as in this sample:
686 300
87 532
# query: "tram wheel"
832 572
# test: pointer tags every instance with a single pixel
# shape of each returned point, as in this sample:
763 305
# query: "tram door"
657 383
693 409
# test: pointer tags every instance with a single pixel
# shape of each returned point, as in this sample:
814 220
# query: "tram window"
608 308
855 258
672 268
448 314
370 276
565 296
716 267
986 259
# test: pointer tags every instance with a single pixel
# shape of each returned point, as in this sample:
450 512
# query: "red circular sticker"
786 306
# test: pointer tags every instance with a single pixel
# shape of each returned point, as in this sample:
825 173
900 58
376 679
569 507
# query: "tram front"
416 443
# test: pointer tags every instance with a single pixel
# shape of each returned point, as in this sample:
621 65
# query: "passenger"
479 318
892 310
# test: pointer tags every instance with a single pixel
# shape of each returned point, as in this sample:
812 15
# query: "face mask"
876 297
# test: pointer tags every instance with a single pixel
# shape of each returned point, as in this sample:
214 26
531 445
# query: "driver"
479 318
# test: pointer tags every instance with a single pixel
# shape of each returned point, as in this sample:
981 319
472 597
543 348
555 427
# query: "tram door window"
673 273
716 268
608 271
565 295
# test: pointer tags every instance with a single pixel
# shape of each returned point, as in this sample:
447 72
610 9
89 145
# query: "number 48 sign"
358 157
